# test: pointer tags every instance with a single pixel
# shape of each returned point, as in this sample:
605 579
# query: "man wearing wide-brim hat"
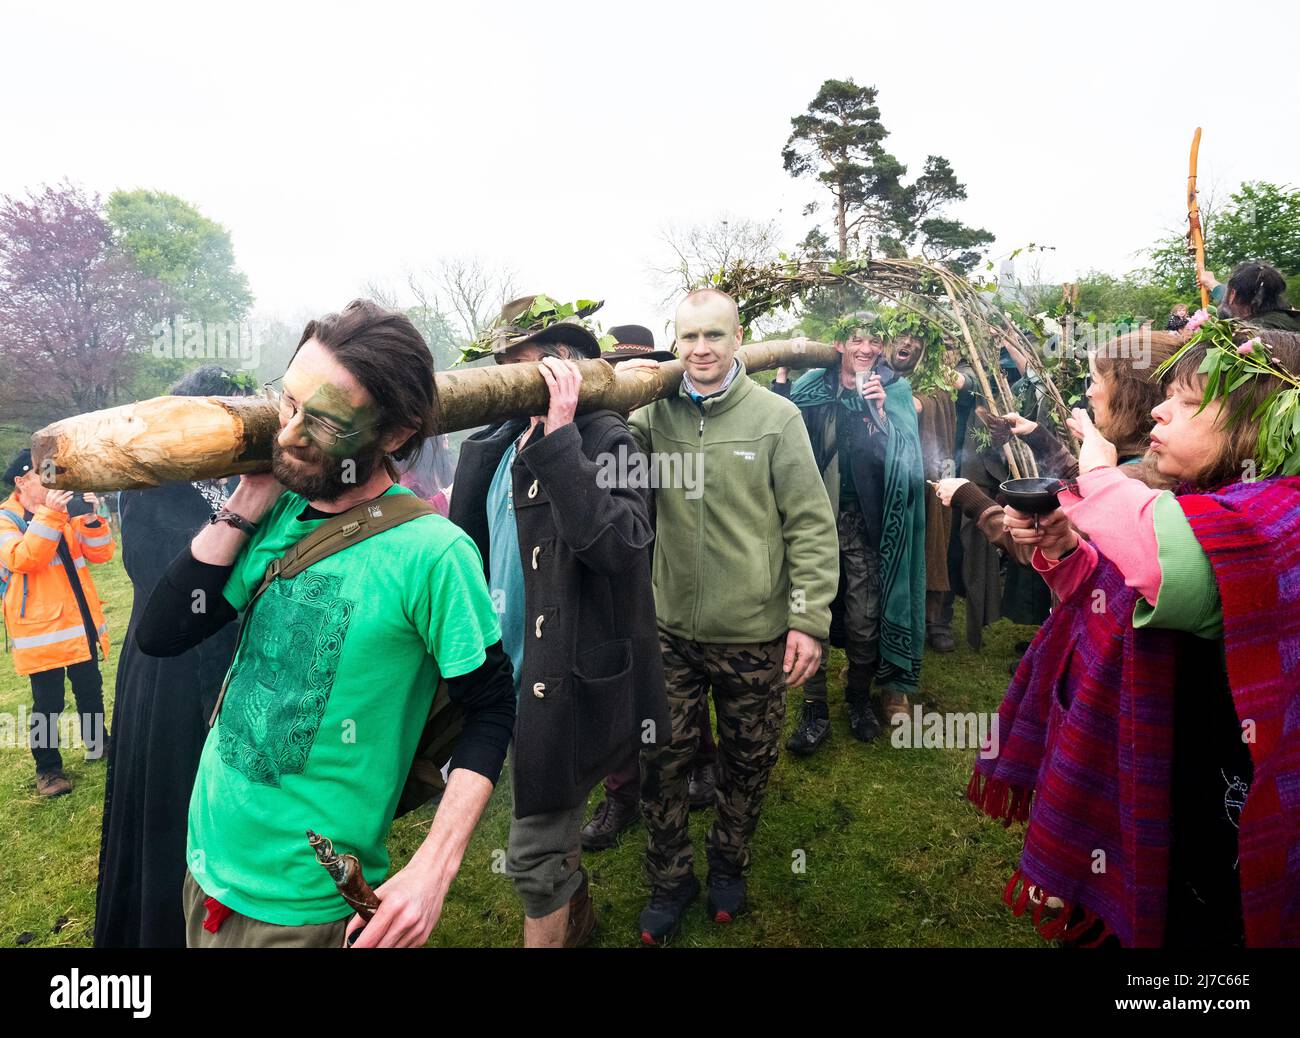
634 340
567 555
538 321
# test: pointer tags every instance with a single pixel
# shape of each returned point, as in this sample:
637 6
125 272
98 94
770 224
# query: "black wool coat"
592 682
160 722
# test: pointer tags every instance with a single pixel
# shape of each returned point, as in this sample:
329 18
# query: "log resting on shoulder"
171 438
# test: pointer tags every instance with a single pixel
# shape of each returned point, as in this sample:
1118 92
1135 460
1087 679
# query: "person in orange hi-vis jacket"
52 612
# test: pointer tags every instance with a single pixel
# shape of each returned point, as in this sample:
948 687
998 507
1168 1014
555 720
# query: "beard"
318 476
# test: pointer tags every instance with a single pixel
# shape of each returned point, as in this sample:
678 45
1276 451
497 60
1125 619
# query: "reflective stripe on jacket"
41 614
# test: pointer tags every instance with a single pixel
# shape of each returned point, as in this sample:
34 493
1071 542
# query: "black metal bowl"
1035 495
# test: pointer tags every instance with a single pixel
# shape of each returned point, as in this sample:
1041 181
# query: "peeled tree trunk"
162 440
171 438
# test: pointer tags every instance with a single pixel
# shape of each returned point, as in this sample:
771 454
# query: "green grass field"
858 846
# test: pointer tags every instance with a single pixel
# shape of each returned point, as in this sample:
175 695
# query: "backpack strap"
19 521
334 535
6 574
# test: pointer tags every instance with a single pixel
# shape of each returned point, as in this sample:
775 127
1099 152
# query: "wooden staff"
173 438
1194 219
972 354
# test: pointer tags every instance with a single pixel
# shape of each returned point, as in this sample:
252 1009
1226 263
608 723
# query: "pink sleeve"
1118 515
1065 575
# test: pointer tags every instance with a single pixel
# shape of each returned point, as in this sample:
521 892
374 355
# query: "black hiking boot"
612 818
857 697
813 728
862 719
726 893
662 917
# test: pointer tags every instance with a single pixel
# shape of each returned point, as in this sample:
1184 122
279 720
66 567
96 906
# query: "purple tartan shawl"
1087 733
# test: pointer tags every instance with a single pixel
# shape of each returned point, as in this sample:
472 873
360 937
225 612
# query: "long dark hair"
383 351
209 380
1257 288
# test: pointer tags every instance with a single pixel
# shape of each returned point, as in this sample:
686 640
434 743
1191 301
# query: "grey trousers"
544 858
861 566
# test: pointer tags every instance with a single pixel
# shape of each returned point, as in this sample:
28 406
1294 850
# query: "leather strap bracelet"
225 515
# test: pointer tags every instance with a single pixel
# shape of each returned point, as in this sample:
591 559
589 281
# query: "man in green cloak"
862 423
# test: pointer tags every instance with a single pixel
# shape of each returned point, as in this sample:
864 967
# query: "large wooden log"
156 441
172 438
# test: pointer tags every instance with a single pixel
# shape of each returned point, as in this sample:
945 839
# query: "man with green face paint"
337 666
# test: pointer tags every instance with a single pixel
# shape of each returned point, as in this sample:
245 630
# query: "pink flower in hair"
1249 347
1196 320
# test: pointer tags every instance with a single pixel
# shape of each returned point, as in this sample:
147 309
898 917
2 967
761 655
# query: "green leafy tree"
1131 299
838 142
170 240
1261 221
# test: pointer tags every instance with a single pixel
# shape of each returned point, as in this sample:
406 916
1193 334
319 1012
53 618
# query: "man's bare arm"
411 901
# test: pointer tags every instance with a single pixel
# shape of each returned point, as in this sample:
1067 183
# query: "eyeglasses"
324 434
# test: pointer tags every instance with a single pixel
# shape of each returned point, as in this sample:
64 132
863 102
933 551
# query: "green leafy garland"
543 313
932 373
1227 367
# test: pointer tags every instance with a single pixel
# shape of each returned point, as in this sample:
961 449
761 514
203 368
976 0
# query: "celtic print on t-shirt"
281 684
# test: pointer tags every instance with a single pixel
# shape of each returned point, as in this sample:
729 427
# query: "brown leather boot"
612 818
892 704
582 917
52 784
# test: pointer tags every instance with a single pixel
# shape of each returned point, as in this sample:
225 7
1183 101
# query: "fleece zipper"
699 532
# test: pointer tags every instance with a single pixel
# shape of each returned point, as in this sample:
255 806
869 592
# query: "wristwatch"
225 515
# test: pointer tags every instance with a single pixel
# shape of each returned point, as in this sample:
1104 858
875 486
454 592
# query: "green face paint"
332 405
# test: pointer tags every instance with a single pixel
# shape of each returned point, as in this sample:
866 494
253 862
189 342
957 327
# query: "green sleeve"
1217 293
250 563
454 611
1189 596
812 547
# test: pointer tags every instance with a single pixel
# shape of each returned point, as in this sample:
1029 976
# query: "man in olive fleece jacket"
745 567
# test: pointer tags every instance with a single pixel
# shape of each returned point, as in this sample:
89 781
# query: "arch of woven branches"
966 314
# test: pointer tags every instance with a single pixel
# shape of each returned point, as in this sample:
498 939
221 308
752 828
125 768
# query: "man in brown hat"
568 564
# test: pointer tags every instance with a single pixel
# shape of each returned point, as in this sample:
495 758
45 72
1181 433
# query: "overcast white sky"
342 143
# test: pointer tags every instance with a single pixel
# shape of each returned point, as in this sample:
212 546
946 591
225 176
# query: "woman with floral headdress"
1151 736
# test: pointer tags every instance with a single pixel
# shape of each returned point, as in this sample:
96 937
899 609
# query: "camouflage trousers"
861 568
749 697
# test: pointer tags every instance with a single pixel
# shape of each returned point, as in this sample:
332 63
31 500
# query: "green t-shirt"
328 695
